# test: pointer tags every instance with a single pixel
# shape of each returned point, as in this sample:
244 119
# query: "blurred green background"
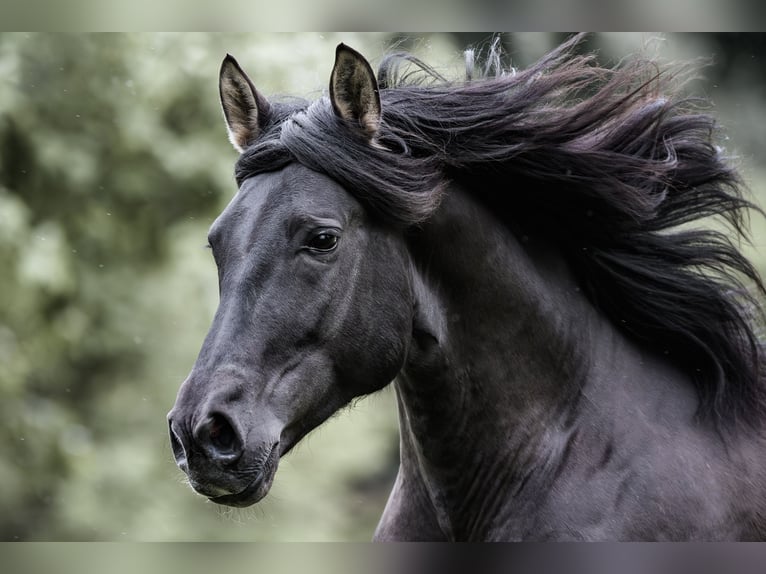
113 162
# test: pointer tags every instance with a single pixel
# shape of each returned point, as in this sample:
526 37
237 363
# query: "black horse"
524 254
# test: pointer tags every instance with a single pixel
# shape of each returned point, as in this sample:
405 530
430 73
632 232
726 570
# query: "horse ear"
354 91
244 109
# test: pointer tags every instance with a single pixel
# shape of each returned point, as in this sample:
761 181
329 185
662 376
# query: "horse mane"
614 164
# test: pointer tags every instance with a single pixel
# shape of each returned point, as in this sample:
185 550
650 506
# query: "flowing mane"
614 165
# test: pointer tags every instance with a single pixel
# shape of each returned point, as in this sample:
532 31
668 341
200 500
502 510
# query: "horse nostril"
221 434
218 438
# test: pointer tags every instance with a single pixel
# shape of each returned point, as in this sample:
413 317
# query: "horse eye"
323 241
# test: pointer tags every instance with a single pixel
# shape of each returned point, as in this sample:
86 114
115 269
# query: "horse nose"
217 437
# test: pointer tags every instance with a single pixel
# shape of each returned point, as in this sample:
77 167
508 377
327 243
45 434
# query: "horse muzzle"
222 462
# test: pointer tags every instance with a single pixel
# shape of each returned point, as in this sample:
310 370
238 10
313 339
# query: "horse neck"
500 324
503 346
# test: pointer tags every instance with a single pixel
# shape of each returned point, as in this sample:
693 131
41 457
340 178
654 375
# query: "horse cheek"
373 359
379 338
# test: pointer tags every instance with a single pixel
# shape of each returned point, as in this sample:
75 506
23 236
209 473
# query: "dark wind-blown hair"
609 162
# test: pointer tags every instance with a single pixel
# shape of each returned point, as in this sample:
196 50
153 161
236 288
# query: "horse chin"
257 489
